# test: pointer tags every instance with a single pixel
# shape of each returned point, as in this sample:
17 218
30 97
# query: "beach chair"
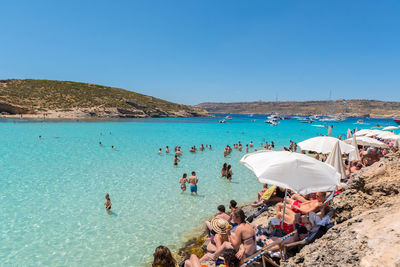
315 234
263 253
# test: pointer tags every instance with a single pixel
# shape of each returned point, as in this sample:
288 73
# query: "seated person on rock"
221 214
244 237
222 229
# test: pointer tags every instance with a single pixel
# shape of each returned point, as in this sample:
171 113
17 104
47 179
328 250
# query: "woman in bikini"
244 237
183 182
224 170
108 203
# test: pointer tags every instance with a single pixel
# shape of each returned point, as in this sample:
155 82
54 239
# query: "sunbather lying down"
271 195
296 206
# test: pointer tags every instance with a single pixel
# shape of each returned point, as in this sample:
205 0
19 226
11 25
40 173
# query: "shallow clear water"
52 189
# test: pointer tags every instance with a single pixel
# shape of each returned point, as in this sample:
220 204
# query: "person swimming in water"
100 144
167 149
183 182
108 203
159 151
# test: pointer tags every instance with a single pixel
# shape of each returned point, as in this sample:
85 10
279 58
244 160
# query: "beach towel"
268 193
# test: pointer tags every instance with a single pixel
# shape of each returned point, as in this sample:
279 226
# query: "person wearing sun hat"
222 229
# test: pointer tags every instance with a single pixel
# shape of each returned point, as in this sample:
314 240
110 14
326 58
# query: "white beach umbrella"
366 141
355 155
330 130
392 137
390 128
291 170
324 144
375 132
362 132
388 136
349 135
335 160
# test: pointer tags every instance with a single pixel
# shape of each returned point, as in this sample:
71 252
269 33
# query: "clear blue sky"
196 51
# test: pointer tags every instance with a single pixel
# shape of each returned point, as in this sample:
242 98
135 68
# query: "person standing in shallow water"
183 182
108 203
224 170
193 183
176 160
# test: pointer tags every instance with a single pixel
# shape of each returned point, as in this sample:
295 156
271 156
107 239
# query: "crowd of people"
235 237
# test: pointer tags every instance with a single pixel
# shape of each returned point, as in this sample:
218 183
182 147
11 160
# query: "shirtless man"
167 149
193 183
251 143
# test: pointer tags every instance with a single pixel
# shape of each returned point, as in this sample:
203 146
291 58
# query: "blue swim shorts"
193 188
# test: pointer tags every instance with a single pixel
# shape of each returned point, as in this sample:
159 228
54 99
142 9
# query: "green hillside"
37 96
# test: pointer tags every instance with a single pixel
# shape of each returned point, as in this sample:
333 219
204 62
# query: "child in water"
108 203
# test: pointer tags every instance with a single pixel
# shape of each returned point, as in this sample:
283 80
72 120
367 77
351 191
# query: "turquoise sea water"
52 189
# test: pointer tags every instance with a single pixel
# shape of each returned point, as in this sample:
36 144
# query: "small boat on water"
274 117
272 122
306 120
397 120
222 121
229 117
360 121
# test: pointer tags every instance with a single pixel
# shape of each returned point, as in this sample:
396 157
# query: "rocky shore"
102 113
367 223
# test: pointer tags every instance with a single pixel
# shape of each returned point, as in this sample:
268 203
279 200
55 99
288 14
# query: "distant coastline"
350 108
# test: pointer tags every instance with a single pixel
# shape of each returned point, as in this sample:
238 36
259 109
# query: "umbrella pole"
284 207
